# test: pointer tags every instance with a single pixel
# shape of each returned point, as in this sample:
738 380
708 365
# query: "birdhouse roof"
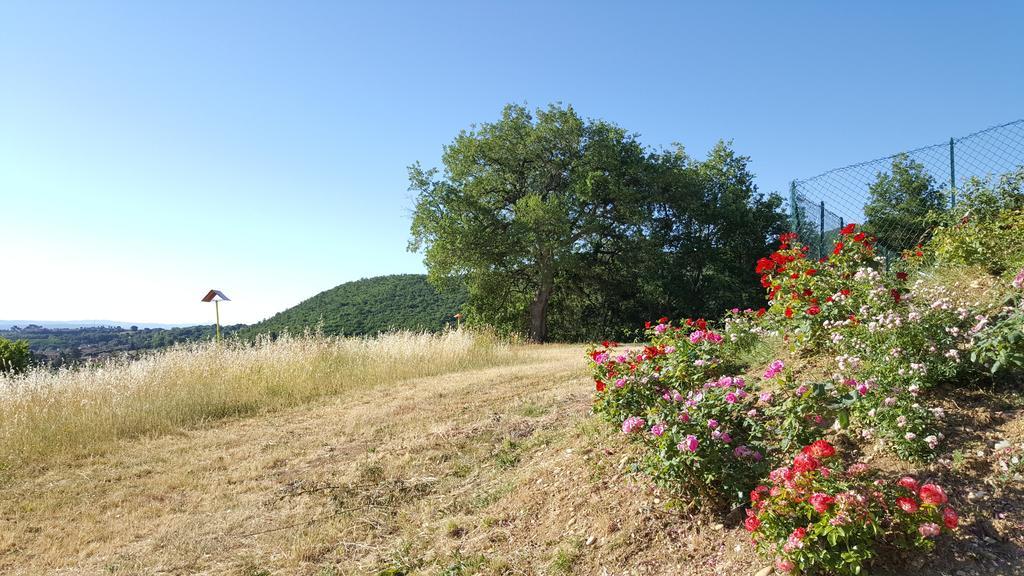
214 295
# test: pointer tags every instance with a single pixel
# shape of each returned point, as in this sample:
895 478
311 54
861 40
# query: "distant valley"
362 307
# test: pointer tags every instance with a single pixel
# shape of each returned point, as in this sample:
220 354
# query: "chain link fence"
892 196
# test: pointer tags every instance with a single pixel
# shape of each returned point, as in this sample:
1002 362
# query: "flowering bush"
805 294
878 338
800 412
817 517
891 338
745 329
701 429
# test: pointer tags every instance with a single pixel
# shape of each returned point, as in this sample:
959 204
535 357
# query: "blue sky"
150 151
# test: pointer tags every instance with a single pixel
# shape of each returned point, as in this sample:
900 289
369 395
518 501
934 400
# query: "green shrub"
15 356
986 227
1000 346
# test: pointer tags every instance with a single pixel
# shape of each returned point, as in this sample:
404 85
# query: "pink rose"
690 444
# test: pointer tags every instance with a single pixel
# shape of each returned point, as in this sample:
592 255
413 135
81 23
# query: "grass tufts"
49 415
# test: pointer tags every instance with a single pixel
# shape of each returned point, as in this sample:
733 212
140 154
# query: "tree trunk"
539 307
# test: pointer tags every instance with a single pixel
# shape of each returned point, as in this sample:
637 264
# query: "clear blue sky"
152 150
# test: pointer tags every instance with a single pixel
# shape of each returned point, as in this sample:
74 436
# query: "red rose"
647 325
950 518
800 533
751 523
848 229
820 502
859 237
663 320
789 312
760 312
896 296
908 505
839 248
901 275
932 494
909 483
805 463
845 291
810 272
819 449
813 310
600 385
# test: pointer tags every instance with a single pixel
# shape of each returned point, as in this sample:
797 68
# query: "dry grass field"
492 468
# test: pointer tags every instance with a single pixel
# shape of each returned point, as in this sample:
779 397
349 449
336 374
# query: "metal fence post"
952 176
821 235
794 207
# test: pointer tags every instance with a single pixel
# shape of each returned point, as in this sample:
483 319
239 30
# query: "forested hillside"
368 306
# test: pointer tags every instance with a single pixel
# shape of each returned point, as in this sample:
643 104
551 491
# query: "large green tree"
518 200
899 204
711 225
571 229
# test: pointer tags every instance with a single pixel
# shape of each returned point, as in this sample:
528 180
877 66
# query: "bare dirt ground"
492 471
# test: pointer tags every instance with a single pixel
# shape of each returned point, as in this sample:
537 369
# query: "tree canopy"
900 202
567 228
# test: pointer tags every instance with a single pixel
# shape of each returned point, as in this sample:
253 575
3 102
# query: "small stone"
764 571
717 526
591 540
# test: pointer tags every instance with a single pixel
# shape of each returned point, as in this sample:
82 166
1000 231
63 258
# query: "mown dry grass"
47 416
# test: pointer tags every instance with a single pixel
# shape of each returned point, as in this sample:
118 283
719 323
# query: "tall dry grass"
49 415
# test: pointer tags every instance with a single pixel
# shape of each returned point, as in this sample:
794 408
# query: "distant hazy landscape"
363 307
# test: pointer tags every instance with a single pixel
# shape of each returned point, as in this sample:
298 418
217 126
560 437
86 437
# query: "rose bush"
890 338
870 341
701 429
817 516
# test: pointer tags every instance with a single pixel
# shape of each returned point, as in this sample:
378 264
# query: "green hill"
368 306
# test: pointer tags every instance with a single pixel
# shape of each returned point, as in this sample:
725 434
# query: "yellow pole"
216 306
